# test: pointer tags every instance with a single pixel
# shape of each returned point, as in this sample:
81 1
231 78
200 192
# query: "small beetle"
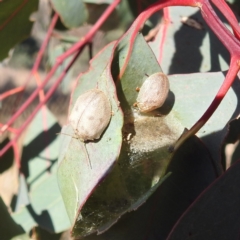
137 89
153 92
90 116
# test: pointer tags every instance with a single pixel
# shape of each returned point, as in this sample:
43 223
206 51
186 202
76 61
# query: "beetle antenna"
86 152
66 135
85 148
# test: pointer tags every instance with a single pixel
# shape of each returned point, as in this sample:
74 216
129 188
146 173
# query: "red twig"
167 20
13 130
38 81
10 92
17 114
16 153
224 35
227 12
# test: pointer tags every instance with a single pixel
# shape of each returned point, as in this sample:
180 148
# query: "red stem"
164 29
224 35
228 14
34 69
13 130
16 153
11 92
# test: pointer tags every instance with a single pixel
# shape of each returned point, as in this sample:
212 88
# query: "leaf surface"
76 179
72 13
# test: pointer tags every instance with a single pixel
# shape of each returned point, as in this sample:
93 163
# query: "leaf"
191 171
76 179
141 164
72 13
39 165
14 23
8 228
214 215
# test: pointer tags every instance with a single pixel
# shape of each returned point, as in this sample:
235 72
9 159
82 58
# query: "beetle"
153 92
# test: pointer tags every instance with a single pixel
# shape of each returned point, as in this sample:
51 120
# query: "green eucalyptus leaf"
72 13
15 25
76 178
143 159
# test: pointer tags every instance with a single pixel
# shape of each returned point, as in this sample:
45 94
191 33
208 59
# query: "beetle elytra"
90 115
153 92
